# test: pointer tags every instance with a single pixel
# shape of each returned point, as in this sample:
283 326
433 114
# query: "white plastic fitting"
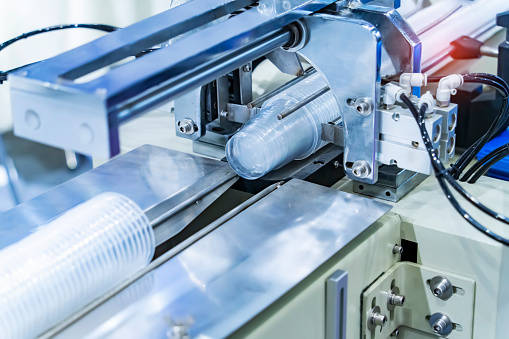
447 87
392 95
427 98
409 80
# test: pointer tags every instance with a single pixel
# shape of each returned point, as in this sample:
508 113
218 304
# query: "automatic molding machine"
286 258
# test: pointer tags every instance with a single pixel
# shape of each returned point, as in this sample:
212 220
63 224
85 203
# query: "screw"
337 164
395 117
247 68
364 106
396 300
361 169
224 114
395 333
397 249
186 126
178 331
441 324
441 287
376 319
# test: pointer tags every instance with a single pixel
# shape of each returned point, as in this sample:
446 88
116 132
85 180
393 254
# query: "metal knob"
441 287
376 319
441 324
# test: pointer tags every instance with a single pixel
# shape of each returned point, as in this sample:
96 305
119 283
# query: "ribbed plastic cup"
266 143
71 261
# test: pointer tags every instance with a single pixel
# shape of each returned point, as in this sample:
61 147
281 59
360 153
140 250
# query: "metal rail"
159 261
292 109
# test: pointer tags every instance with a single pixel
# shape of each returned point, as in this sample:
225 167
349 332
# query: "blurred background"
39 167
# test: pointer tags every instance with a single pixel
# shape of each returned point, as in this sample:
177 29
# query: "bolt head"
361 169
364 106
186 126
247 68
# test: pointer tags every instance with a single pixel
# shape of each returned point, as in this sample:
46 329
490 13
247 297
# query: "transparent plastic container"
71 261
266 143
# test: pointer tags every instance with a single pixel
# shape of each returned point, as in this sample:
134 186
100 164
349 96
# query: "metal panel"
350 60
335 317
228 277
148 175
413 282
401 46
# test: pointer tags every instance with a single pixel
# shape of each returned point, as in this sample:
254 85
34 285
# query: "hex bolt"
441 324
361 169
397 249
376 319
441 287
186 126
364 106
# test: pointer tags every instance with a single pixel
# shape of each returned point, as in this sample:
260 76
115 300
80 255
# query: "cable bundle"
499 125
71 261
444 177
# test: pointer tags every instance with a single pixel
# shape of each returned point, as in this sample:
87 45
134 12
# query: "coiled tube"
266 143
71 261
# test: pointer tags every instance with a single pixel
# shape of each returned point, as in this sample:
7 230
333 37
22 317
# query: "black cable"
98 27
442 174
439 168
484 160
485 168
500 123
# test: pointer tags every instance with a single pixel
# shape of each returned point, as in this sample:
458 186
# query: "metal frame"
354 73
137 86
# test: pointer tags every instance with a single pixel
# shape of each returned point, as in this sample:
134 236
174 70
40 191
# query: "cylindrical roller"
71 261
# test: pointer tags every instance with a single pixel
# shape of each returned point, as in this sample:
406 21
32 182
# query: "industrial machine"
323 214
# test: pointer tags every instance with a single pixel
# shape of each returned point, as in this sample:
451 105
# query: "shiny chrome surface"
401 46
351 64
226 278
153 265
151 176
139 85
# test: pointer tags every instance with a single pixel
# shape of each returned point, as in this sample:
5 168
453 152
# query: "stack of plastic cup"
266 143
71 261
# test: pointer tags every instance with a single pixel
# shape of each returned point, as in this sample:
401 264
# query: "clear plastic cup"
266 143
71 261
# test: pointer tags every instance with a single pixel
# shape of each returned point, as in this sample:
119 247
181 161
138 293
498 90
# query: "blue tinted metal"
148 175
225 279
